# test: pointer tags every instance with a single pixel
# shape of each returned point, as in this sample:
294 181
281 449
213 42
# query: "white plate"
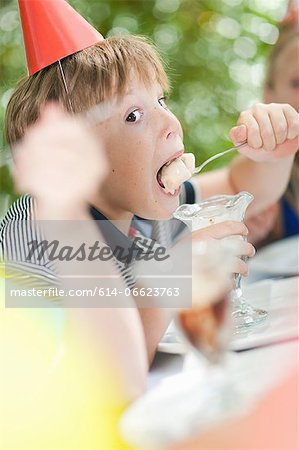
172 345
179 406
279 258
186 404
171 342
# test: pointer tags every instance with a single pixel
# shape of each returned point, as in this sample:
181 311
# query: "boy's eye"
162 102
134 116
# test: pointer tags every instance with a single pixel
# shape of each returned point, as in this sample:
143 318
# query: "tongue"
180 170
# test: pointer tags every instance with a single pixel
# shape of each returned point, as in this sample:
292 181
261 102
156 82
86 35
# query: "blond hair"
93 75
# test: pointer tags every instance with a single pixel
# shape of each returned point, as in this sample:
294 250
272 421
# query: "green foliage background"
216 50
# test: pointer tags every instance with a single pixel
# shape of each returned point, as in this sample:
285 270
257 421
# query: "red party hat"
52 30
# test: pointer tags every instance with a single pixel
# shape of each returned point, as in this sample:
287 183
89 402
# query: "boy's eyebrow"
133 91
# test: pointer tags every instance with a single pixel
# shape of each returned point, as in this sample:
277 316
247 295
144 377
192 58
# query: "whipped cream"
178 171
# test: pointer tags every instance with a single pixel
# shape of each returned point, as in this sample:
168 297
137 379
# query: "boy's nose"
173 128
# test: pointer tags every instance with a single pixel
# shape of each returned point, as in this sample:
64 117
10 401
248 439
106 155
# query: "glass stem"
238 297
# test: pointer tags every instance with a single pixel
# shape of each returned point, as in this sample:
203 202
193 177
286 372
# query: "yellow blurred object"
54 395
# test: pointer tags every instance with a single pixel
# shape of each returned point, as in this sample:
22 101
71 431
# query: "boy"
139 139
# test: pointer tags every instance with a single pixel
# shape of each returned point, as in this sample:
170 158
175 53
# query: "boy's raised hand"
59 162
271 131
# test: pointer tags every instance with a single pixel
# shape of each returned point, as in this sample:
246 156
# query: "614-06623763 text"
96 292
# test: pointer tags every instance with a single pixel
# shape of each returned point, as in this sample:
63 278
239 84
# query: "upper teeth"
176 172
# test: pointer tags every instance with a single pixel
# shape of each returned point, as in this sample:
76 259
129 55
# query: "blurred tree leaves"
216 51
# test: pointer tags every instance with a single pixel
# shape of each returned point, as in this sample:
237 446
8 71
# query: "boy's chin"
162 213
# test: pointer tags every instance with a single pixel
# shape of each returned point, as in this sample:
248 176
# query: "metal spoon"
199 168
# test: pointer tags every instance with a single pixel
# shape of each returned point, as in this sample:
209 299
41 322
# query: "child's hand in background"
59 162
271 131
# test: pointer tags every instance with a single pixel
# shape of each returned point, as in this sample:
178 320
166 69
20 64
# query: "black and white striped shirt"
17 230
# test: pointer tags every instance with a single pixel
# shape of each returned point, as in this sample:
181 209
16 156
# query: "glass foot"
246 317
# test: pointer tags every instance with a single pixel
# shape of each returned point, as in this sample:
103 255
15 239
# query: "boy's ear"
268 95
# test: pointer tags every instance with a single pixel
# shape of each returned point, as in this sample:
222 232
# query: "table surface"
280 298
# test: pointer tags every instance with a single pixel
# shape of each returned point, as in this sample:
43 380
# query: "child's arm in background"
265 226
264 166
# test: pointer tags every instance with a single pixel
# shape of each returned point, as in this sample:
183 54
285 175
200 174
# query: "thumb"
238 134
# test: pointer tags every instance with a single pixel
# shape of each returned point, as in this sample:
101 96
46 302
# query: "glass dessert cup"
215 210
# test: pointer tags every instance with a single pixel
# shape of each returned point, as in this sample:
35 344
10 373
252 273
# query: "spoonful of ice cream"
176 172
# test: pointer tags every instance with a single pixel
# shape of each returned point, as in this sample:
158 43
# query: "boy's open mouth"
175 172
159 174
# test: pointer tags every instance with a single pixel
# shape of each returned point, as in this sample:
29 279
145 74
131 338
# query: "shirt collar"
115 238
